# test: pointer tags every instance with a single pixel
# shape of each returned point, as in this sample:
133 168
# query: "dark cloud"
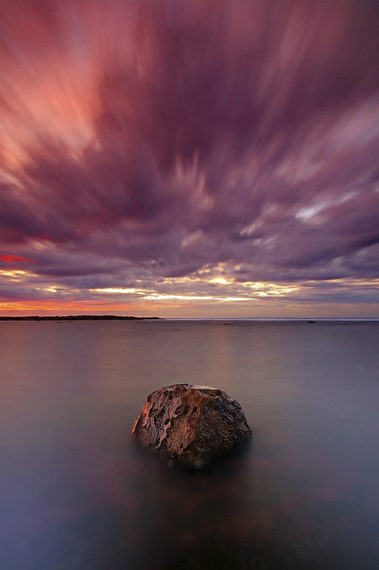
149 141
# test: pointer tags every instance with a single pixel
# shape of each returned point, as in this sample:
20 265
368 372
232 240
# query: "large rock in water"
192 424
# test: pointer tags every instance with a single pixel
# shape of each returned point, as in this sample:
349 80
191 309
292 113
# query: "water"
77 494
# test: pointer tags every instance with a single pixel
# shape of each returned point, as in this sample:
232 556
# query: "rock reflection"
199 519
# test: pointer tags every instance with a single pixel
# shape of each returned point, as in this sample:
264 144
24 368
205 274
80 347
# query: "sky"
188 158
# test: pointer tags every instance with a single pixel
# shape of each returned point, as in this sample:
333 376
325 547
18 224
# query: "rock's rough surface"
191 424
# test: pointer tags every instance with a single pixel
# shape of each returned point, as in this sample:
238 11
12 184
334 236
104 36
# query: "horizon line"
106 316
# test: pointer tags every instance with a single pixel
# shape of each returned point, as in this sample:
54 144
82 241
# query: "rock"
191 424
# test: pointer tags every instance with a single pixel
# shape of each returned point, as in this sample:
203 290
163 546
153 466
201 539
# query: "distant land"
77 318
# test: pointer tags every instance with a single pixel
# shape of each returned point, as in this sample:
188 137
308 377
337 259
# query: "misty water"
77 493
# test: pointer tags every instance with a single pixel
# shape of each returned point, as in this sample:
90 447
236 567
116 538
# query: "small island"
78 318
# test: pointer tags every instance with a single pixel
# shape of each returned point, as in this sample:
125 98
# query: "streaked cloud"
193 151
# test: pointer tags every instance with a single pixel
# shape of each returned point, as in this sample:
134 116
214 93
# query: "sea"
78 493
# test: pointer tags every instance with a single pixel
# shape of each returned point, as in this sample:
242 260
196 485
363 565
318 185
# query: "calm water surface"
77 494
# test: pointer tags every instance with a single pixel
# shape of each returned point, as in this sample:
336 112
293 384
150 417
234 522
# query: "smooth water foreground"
76 493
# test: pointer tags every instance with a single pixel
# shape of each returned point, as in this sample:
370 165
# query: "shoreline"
78 318
294 320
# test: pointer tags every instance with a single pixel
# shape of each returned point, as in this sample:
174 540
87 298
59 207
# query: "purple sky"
189 158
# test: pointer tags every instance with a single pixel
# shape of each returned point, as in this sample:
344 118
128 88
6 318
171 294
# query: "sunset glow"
192 159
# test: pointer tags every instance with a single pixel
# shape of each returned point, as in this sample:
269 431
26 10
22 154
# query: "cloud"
145 141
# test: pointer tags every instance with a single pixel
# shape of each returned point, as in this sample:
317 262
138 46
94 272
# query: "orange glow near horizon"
229 298
182 309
